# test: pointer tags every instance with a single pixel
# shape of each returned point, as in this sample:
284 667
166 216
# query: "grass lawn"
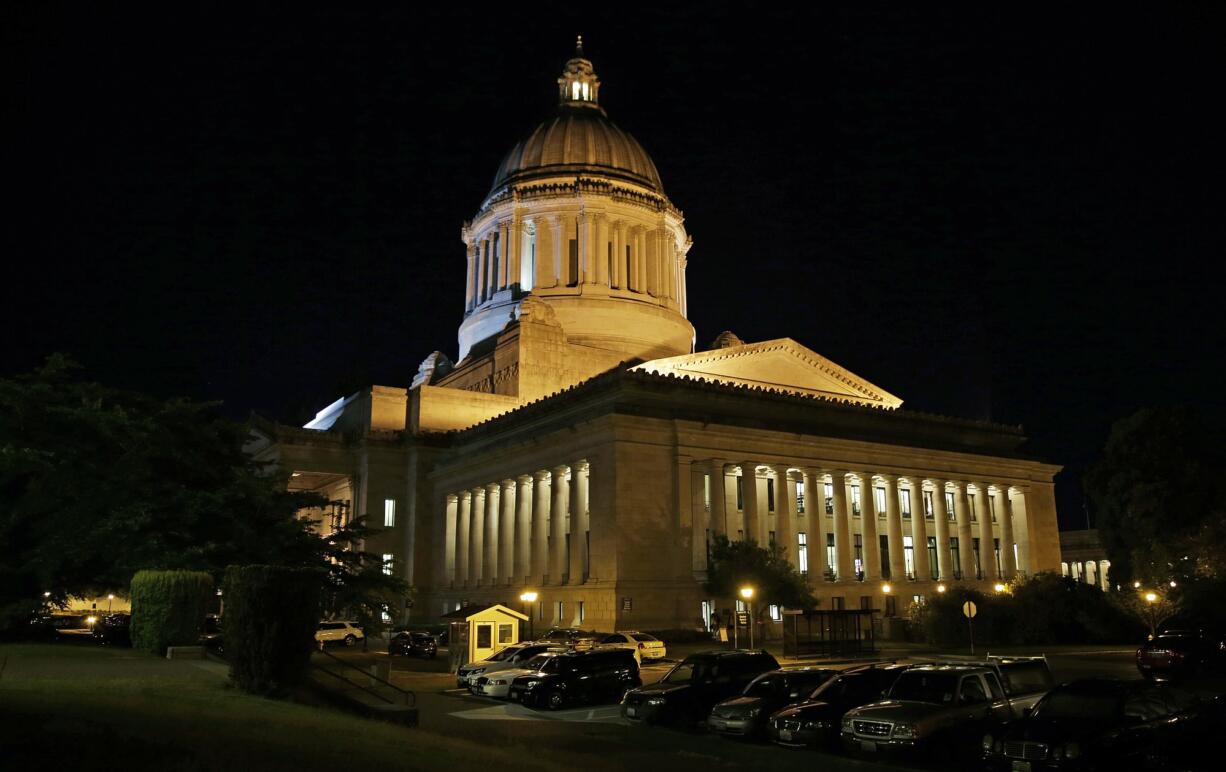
83 707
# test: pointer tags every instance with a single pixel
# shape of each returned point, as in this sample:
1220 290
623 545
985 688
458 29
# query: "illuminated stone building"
580 446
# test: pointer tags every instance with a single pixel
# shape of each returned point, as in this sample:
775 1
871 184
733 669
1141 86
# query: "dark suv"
689 691
578 678
816 720
745 715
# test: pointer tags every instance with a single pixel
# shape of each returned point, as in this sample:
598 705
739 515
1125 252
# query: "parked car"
1106 724
645 646
513 656
113 630
570 636
348 633
746 714
63 627
1176 654
1026 679
579 678
410 644
815 721
942 710
691 688
498 683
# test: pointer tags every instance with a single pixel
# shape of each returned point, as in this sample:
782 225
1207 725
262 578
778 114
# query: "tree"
1156 496
99 483
735 564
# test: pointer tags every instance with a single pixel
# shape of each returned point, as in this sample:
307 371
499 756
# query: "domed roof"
579 139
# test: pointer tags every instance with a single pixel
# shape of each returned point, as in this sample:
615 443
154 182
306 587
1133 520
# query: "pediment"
781 365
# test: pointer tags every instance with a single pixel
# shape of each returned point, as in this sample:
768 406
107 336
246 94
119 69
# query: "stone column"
523 529
846 567
966 551
893 529
868 528
504 255
719 506
987 554
539 567
586 234
919 531
602 250
650 252
815 522
558 525
1005 513
940 524
449 538
755 525
462 532
546 252
785 514
618 236
506 538
492 531
690 498
470 285
578 523
476 552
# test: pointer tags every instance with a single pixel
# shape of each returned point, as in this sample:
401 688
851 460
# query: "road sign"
969 610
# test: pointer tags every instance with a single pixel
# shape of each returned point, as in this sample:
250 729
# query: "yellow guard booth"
479 631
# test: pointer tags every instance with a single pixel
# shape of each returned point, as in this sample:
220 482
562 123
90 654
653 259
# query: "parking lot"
611 742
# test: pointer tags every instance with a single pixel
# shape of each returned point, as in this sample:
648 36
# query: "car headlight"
905 731
531 684
820 725
755 712
846 724
656 701
989 742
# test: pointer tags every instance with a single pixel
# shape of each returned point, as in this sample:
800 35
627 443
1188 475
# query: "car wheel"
350 640
555 701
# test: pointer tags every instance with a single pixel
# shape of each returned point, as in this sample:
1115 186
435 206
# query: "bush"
271 613
1045 609
168 608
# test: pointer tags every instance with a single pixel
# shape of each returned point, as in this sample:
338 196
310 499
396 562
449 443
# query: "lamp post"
1151 613
528 598
747 594
109 599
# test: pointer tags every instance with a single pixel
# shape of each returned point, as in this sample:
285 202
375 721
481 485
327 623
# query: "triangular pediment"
781 365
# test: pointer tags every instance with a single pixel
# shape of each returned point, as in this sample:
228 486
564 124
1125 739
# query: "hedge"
271 614
168 608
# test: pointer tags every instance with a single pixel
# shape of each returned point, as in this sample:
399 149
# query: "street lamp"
1151 613
999 587
527 599
110 598
885 588
747 594
940 588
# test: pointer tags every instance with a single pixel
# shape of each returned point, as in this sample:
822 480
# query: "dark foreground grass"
65 707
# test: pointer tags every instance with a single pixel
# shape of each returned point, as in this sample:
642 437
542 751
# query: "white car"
347 633
513 656
645 646
497 684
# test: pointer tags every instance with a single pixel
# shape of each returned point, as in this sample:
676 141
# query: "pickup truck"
939 710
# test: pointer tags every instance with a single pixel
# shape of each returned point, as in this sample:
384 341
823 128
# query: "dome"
579 140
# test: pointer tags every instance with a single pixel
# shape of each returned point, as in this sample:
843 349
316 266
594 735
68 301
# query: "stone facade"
582 448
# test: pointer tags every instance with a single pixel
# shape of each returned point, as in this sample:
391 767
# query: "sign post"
969 611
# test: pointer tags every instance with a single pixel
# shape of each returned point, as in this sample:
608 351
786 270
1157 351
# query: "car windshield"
545 663
925 686
1025 677
499 656
643 637
1069 704
764 685
689 670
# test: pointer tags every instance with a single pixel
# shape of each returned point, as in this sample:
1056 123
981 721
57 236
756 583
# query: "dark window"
994 686
971 691
770 495
740 493
891 605
1025 677
866 602
884 546
572 277
956 555
484 635
978 564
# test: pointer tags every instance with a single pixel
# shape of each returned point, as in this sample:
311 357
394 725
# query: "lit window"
855 501
928 505
776 614
387 563
585 92
389 513
800 498
829 494
950 512
880 499
574 89
905 501
706 491
802 552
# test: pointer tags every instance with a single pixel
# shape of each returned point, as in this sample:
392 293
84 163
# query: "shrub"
271 613
168 608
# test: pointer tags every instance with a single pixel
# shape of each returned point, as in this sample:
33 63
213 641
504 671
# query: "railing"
405 697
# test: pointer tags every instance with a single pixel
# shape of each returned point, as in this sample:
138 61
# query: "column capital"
508 485
716 465
524 479
452 498
541 475
493 487
560 469
815 471
889 477
579 466
466 495
836 473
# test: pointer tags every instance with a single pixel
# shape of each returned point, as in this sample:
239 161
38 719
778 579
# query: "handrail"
410 698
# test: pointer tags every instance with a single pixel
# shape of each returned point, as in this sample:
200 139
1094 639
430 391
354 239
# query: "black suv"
412 644
578 678
816 720
689 691
745 715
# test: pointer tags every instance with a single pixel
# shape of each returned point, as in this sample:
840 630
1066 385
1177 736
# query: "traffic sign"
969 610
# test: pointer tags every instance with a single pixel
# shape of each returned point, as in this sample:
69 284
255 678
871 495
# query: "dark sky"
1012 215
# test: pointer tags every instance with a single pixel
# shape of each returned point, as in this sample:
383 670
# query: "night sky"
1012 215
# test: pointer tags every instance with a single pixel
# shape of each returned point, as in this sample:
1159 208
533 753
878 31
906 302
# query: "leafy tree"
735 564
1156 495
99 483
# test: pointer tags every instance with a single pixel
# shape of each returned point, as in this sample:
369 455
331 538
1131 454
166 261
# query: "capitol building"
584 445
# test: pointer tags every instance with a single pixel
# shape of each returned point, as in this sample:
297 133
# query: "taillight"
642 646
